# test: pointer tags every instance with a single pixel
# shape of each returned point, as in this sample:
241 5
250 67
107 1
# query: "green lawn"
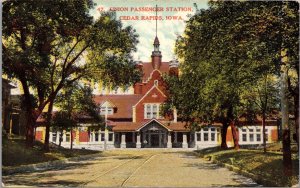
15 153
267 166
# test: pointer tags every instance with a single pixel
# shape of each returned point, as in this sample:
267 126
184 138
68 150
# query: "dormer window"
110 110
107 108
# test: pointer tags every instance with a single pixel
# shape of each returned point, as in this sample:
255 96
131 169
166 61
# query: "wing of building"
134 120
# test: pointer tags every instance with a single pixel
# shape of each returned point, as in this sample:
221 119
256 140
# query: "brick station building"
134 119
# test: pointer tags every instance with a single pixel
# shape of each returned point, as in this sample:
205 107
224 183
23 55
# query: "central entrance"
155 142
154 135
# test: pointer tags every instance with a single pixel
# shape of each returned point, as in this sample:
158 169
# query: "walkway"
141 168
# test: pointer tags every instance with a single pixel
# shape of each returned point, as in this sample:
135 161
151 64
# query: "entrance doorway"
155 142
154 136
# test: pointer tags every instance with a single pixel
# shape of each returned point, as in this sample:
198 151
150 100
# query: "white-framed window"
208 134
110 110
110 137
251 135
156 82
152 111
68 137
96 137
54 136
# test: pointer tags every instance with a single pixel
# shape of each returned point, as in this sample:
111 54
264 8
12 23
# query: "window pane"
148 115
148 109
212 129
258 137
244 130
205 129
251 137
250 130
67 137
53 137
102 137
258 130
205 136
110 137
244 137
96 137
154 108
198 137
212 136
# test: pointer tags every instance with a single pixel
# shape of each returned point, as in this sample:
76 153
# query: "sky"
167 30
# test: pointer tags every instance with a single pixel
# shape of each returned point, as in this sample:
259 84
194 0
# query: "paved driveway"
138 168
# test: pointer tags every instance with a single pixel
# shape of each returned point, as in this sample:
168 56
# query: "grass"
266 166
15 153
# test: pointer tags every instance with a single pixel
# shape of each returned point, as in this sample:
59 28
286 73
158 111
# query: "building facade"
134 120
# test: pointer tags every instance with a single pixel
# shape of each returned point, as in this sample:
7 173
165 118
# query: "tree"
44 44
231 45
263 98
79 102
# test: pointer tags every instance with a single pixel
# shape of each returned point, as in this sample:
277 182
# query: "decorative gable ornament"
154 95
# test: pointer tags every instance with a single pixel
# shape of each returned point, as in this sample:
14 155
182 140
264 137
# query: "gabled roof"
122 103
148 69
146 94
153 120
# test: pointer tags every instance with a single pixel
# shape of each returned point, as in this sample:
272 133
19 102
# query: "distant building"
134 120
13 118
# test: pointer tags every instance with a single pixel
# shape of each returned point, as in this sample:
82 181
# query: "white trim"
145 124
148 93
150 76
107 103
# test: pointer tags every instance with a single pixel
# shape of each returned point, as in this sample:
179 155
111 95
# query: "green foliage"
76 103
49 45
226 51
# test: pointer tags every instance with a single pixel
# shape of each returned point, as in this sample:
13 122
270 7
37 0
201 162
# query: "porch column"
138 140
123 140
175 137
184 140
169 144
57 137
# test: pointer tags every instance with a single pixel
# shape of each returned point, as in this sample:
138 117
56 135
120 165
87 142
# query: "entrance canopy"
153 125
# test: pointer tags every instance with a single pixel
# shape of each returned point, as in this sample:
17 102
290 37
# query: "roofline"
145 124
150 76
154 86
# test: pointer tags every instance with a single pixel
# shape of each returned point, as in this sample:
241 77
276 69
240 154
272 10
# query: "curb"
45 165
258 179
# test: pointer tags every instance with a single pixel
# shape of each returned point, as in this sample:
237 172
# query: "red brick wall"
148 99
229 137
83 136
39 135
73 135
274 134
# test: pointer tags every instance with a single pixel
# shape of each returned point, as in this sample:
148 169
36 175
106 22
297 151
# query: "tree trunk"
235 135
60 137
31 115
71 135
286 143
223 135
30 129
296 113
48 124
264 131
